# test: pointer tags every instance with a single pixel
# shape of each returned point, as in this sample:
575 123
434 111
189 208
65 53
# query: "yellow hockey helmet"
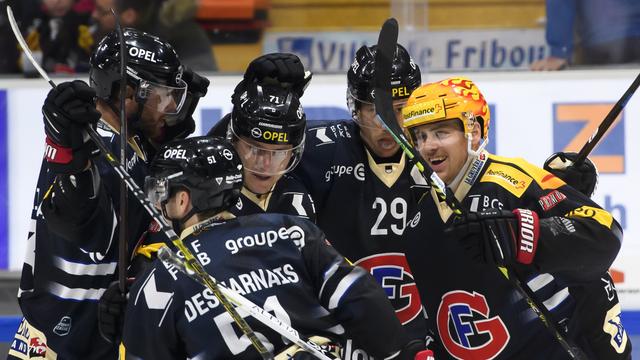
453 98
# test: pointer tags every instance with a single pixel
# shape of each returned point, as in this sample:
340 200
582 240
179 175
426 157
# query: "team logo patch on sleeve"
30 343
466 328
508 177
550 200
613 326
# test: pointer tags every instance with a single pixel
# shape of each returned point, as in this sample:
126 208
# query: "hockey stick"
167 255
384 108
607 122
122 241
119 168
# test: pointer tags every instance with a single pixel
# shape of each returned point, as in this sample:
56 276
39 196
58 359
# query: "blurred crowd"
62 33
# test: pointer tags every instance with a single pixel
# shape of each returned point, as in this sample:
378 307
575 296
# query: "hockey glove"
181 125
283 68
67 110
111 308
583 177
295 352
414 350
499 237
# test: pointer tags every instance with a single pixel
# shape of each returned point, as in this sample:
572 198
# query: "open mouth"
435 161
386 144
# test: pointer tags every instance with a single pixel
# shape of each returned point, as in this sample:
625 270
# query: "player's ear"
184 201
476 135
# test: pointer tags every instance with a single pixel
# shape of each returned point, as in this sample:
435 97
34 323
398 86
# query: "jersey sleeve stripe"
344 286
74 268
328 274
556 299
79 294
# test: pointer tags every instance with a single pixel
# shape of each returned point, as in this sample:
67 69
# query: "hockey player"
361 183
72 247
277 261
600 293
267 127
555 239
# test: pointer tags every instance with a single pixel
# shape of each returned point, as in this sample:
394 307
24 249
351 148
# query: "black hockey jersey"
477 312
281 263
66 270
365 208
288 196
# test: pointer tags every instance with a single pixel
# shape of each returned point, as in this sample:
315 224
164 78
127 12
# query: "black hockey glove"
111 309
284 68
181 125
67 110
583 178
499 237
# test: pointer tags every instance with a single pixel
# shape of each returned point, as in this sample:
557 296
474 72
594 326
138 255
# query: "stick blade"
385 52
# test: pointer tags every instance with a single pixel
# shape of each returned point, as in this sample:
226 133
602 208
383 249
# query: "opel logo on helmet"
178 78
256 133
227 154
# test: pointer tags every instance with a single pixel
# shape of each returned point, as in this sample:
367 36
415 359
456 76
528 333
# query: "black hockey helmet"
153 70
405 76
269 114
208 167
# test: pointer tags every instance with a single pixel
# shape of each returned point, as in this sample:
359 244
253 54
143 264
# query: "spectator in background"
607 32
59 38
189 39
8 47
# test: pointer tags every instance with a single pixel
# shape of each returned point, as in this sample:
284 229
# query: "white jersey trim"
540 281
64 292
74 268
556 299
344 286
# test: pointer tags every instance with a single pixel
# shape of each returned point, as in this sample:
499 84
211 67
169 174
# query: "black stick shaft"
123 243
601 130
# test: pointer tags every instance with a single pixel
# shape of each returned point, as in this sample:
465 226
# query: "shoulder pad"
543 178
320 133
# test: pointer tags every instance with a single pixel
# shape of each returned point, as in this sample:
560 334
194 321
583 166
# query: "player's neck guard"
195 228
262 200
472 155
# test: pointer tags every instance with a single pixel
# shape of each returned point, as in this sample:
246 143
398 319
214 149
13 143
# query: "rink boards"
533 115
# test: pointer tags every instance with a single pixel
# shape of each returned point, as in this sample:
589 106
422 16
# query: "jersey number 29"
397 209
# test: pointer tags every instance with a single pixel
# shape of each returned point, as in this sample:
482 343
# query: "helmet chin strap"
258 195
